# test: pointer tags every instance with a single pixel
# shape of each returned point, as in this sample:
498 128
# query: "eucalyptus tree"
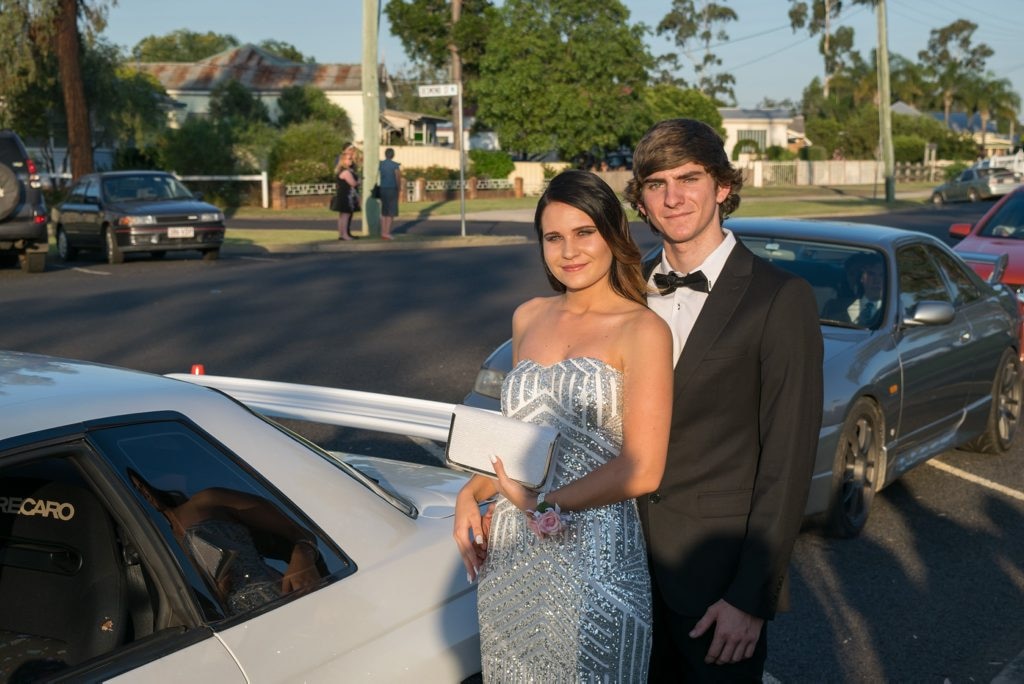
32 31
182 45
563 75
953 61
697 26
836 44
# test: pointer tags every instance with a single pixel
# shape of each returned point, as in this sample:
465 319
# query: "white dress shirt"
680 308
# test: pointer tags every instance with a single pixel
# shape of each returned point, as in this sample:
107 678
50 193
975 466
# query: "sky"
767 59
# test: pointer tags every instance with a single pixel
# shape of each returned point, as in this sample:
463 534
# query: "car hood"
167 206
431 489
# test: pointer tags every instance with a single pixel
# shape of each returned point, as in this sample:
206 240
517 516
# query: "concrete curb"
374 245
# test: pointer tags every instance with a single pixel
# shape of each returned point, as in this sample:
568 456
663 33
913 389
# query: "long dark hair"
587 192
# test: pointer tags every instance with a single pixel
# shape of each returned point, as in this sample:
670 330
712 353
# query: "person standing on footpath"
746 413
390 174
346 190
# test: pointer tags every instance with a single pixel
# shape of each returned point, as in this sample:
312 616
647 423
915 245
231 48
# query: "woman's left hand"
522 498
301 572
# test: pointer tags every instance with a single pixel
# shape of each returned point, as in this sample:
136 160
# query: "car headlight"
211 217
488 383
147 220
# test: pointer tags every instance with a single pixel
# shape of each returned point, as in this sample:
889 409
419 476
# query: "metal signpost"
449 90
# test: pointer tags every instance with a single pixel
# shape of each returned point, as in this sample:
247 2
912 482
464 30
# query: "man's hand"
736 633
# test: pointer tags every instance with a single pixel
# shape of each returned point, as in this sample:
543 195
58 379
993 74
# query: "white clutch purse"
525 448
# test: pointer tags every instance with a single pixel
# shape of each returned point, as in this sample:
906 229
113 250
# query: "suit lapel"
717 311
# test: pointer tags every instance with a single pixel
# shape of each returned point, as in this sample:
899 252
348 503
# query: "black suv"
22 207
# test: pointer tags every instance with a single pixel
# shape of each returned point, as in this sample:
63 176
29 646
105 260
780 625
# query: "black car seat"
62 584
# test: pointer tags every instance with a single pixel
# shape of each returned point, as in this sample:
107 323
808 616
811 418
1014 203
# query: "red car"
999 232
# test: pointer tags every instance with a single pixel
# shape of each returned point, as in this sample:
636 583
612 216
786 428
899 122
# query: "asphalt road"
932 591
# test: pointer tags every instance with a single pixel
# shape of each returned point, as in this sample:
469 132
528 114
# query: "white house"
755 130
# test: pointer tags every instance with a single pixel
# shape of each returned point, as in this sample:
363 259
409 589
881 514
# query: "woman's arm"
470 529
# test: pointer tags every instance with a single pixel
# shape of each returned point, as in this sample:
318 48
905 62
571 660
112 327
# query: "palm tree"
988 96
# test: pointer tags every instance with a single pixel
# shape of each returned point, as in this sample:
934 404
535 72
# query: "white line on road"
90 271
963 474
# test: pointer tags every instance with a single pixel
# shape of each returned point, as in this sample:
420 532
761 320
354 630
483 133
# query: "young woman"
567 597
346 190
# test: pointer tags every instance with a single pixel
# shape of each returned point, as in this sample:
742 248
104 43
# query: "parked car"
119 212
152 529
975 184
23 233
938 366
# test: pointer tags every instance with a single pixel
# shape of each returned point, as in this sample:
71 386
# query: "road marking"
430 447
963 474
90 271
252 258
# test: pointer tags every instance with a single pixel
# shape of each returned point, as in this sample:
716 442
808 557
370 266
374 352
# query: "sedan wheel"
937 199
114 253
855 470
972 195
64 248
1004 413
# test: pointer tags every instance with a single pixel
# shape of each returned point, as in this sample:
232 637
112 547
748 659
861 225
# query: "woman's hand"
301 572
471 530
522 498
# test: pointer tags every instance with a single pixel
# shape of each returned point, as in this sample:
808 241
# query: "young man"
746 414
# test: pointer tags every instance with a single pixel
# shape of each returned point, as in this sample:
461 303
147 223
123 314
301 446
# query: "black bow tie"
668 282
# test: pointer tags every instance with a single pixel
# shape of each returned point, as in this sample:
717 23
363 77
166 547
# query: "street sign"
439 90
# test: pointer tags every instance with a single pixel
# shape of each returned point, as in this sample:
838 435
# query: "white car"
152 529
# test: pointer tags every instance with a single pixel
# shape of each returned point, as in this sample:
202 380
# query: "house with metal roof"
266 75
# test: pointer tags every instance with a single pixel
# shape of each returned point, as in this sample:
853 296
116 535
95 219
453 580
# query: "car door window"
919 280
72 587
964 289
77 193
92 192
241 546
1008 221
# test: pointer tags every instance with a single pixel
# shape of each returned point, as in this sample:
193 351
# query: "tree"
990 96
665 101
689 22
285 50
34 30
562 75
304 103
426 30
953 61
182 45
835 45
233 105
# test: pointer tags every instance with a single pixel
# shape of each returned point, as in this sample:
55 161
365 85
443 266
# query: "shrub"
430 173
306 152
908 148
779 153
490 164
953 170
813 153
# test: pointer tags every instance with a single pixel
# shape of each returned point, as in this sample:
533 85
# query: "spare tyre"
10 191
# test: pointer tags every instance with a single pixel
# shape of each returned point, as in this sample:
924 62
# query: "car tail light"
39 219
31 166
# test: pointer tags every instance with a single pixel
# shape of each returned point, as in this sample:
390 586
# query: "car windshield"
144 188
1008 221
849 282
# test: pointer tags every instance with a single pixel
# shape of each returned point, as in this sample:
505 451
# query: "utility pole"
456 75
884 105
371 117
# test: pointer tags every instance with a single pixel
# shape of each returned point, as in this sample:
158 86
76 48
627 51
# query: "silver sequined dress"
574 608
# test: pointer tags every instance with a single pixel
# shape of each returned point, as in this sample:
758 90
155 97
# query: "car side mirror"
930 313
960 230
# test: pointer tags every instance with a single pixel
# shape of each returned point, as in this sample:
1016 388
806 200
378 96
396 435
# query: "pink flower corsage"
547 520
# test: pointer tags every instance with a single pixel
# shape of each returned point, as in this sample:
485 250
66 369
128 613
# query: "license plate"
181 232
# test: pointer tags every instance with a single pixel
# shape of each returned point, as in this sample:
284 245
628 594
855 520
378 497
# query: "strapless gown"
577 607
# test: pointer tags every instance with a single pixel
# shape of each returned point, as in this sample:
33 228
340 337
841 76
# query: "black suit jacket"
745 421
